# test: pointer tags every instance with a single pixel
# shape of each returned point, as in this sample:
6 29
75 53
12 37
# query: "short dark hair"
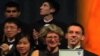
22 35
13 20
29 38
12 4
53 4
76 24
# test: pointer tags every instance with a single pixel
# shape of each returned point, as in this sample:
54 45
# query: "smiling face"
52 40
74 35
46 9
12 12
23 46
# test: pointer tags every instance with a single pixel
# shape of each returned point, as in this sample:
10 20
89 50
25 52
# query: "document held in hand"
71 52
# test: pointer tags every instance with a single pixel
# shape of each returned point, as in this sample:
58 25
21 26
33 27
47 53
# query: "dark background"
30 10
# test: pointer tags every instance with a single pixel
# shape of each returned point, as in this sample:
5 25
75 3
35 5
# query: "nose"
9 29
74 34
21 45
41 7
53 39
11 13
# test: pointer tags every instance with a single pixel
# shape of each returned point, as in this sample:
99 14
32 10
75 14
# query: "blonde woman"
51 36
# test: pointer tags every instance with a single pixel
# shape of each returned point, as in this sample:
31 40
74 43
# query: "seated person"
24 45
11 9
48 10
51 36
12 27
75 36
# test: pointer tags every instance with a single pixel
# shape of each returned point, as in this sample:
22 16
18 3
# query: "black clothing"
47 53
40 23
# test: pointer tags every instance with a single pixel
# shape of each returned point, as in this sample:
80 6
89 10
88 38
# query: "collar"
46 24
11 41
76 47
46 21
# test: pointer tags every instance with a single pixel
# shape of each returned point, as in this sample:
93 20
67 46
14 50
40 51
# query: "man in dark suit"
48 10
11 27
75 36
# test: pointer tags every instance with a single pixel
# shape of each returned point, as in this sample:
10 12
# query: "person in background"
11 27
48 10
51 36
12 9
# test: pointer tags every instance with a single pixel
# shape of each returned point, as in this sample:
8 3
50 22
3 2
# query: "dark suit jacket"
47 53
40 23
11 52
87 53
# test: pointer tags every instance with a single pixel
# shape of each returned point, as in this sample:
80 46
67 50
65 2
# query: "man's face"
12 12
11 29
46 9
52 40
74 35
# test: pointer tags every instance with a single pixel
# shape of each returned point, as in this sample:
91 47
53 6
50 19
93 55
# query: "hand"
4 47
35 34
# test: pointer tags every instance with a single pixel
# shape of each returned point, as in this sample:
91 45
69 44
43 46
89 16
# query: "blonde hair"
51 28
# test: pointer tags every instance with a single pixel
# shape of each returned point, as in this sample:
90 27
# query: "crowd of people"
44 37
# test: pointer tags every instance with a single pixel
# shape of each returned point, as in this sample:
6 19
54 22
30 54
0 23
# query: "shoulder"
88 53
38 21
35 53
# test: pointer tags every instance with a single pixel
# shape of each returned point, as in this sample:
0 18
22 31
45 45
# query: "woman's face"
23 46
52 40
